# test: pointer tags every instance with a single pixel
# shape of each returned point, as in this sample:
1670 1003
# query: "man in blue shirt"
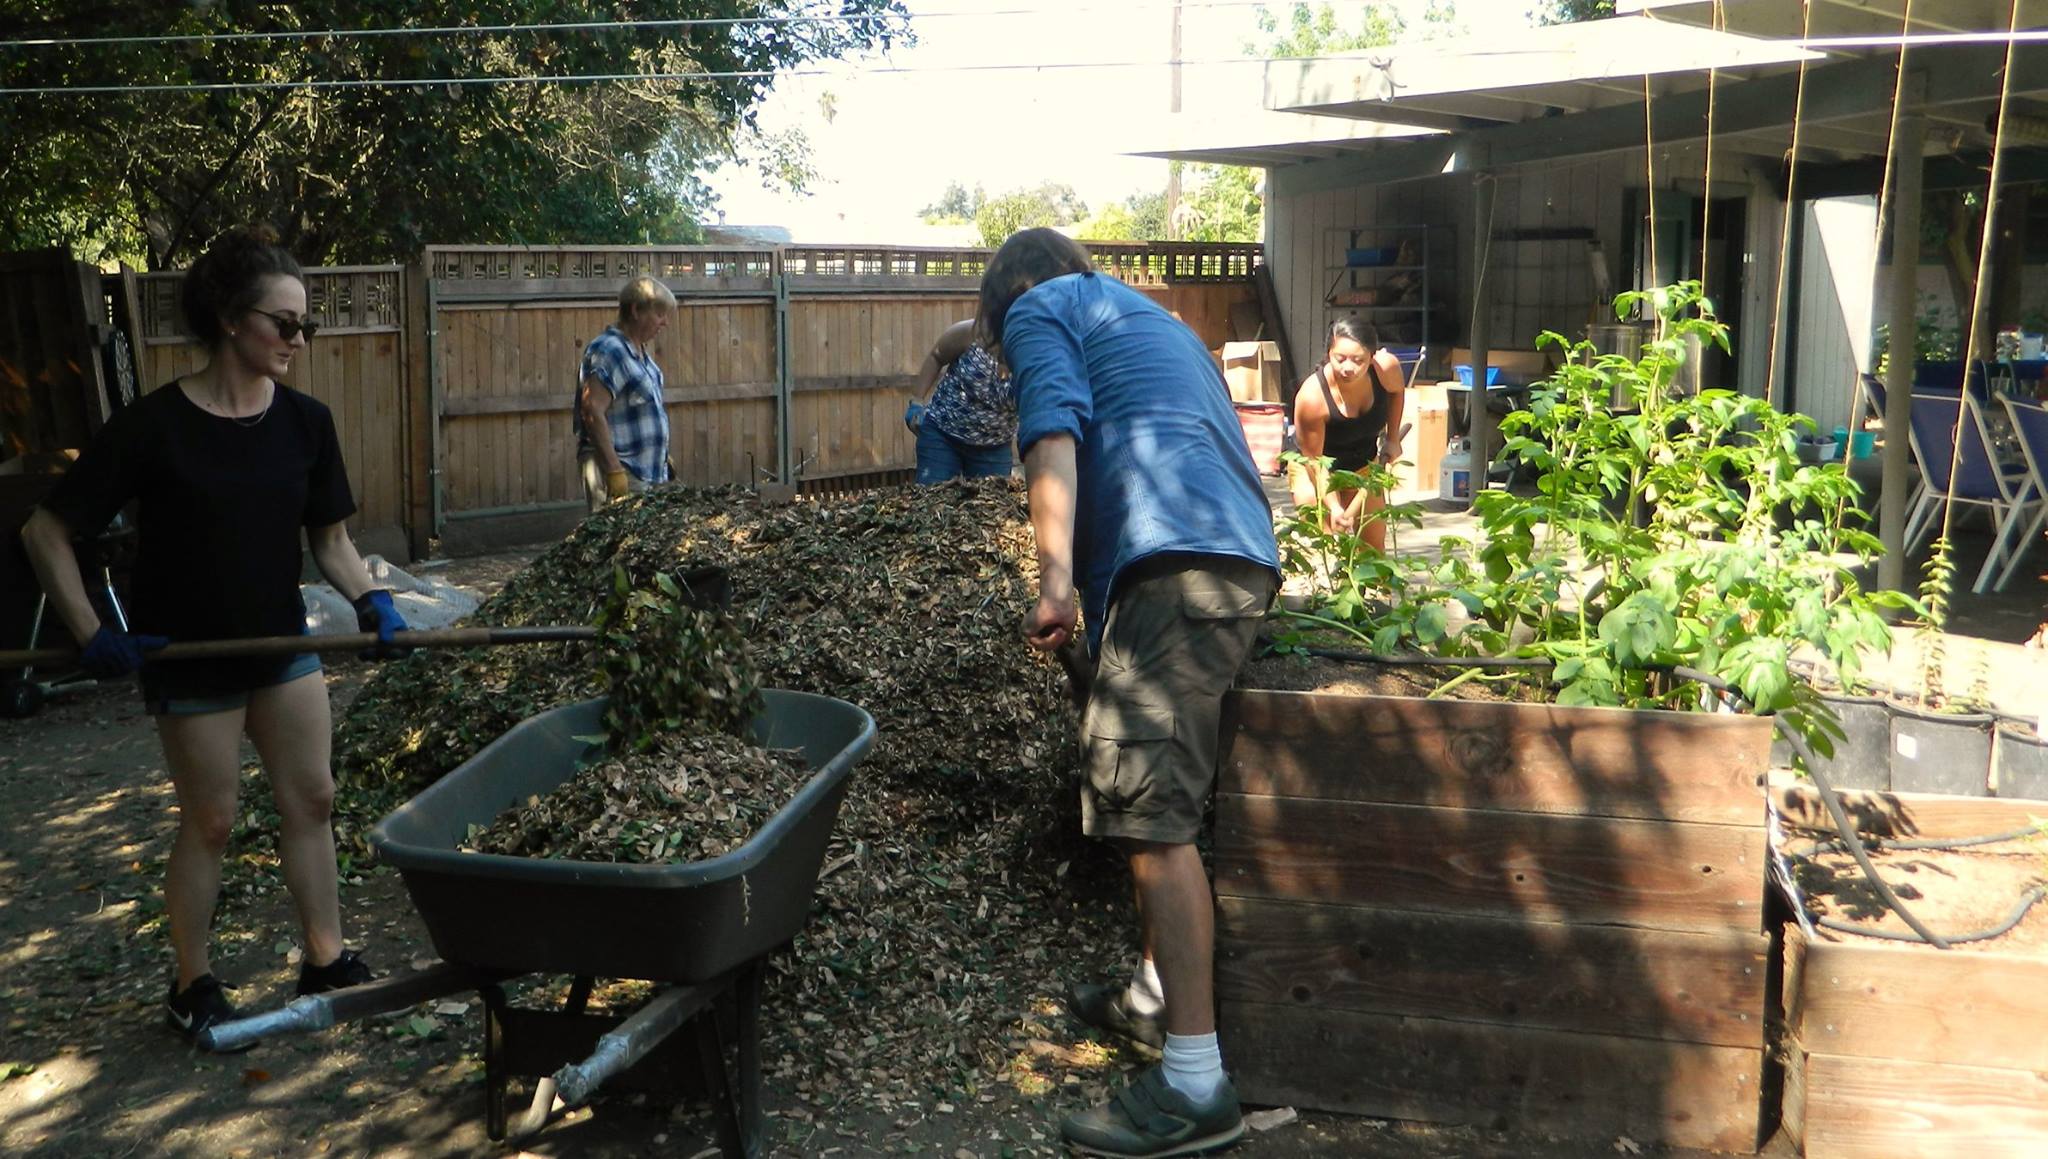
1150 515
620 418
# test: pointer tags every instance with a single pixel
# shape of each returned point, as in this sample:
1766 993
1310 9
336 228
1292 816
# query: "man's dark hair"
1027 257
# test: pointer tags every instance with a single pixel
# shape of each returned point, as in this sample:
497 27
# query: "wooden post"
1908 148
1478 416
785 462
417 461
1173 109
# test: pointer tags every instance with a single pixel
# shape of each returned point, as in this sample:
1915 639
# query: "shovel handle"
293 645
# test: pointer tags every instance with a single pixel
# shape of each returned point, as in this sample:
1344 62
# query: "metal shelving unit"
1404 322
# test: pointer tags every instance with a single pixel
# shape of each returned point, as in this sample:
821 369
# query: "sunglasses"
288 327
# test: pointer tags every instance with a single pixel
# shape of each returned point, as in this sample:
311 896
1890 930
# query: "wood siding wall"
1836 272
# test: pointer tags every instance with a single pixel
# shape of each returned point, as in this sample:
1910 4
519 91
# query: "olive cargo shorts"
1177 632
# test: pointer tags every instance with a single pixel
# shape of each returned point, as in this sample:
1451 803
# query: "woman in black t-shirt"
226 466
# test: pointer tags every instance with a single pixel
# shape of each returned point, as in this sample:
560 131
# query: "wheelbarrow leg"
494 1063
735 1091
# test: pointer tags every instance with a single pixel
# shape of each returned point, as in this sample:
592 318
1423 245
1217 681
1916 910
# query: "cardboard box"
1252 371
1427 411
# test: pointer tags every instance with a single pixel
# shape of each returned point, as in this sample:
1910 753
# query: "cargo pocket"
1220 599
1127 747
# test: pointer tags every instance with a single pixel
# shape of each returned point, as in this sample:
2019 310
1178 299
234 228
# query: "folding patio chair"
1957 466
1873 408
1411 359
2030 423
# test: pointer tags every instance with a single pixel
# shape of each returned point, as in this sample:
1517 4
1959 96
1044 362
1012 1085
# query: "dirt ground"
88 1069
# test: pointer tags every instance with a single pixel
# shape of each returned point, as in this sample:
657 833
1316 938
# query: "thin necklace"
241 421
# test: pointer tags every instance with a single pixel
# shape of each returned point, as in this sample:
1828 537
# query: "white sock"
1145 995
1194 1065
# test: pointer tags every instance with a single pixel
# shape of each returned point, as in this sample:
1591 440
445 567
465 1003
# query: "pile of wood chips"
958 899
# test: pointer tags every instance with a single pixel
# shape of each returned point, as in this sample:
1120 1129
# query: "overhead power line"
1816 43
601 78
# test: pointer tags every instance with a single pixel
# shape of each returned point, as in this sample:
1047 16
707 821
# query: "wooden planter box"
1901 1051
1505 915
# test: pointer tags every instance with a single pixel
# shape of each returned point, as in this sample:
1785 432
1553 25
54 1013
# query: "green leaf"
1431 624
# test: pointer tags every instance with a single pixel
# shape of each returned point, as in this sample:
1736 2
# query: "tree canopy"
372 172
1570 11
1051 203
956 204
1318 30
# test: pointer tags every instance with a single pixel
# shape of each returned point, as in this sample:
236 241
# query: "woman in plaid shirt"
621 420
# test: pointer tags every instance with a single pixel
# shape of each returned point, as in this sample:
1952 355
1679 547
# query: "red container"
1265 432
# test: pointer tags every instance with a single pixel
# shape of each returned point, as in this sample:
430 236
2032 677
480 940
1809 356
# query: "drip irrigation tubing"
2019 912
1424 660
1918 843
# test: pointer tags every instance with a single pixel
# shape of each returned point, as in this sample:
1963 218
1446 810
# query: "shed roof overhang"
1579 90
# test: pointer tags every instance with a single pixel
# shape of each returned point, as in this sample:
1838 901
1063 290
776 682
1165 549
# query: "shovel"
293 645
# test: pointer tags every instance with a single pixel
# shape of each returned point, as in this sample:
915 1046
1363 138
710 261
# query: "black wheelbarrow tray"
705 928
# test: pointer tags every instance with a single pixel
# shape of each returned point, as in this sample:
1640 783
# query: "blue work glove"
376 613
913 415
110 654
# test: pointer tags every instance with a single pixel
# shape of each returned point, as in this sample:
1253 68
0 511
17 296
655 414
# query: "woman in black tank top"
1344 410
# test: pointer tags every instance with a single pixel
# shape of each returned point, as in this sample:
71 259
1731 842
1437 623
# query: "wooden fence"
451 381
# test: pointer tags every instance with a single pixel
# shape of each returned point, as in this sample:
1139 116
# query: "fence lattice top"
1140 263
339 298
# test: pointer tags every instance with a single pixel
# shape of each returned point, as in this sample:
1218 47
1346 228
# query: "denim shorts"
167 703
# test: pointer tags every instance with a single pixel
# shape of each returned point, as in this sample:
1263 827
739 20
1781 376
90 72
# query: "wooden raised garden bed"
1499 914
1899 1050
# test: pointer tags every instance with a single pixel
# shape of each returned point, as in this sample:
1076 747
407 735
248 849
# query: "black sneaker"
1107 1008
1150 1120
346 970
202 1004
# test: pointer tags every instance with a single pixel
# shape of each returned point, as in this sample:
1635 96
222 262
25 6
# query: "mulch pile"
688 798
957 898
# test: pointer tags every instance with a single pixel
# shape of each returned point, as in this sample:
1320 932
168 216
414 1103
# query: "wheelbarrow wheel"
20 699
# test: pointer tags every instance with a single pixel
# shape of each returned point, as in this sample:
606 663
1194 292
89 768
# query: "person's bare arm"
1051 481
596 400
1397 402
953 342
1310 483
336 556
48 542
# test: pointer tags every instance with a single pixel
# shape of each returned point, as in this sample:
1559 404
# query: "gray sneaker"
1148 1119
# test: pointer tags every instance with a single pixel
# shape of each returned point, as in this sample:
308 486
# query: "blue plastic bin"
1465 375
1385 255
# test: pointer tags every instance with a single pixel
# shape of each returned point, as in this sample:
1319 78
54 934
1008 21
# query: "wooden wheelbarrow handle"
292 645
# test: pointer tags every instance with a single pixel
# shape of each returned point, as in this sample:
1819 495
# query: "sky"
886 145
